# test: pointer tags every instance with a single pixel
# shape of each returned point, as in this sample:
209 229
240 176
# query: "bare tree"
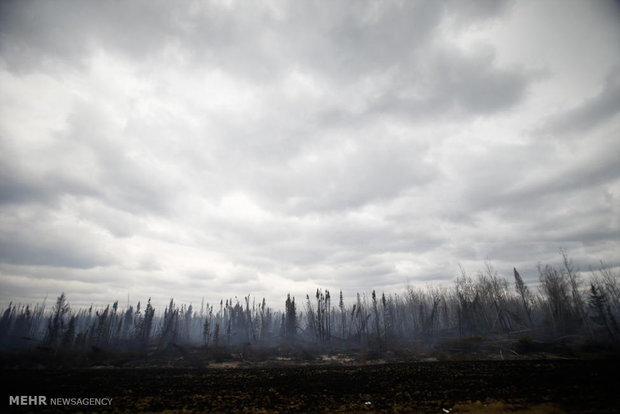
602 312
206 327
524 294
343 316
56 325
556 288
290 327
574 278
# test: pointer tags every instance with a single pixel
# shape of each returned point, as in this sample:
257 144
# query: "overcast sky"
187 149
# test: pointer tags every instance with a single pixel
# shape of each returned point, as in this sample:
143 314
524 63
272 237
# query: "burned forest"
482 316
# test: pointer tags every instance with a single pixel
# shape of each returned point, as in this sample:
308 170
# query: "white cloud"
223 148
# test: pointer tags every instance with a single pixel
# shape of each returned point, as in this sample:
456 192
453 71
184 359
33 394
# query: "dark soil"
436 387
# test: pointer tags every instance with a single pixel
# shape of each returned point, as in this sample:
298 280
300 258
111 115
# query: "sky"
212 149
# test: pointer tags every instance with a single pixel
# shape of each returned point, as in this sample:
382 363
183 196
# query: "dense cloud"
592 112
222 148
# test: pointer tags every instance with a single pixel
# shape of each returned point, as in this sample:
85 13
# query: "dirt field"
434 387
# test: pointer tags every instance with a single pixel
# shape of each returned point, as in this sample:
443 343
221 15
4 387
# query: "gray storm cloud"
220 148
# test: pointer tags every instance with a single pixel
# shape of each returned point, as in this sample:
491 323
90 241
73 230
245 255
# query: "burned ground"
439 386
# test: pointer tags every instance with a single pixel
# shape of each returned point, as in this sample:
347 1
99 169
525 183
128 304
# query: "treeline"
482 305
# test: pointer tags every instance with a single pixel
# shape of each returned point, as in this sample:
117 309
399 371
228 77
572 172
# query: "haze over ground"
212 149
